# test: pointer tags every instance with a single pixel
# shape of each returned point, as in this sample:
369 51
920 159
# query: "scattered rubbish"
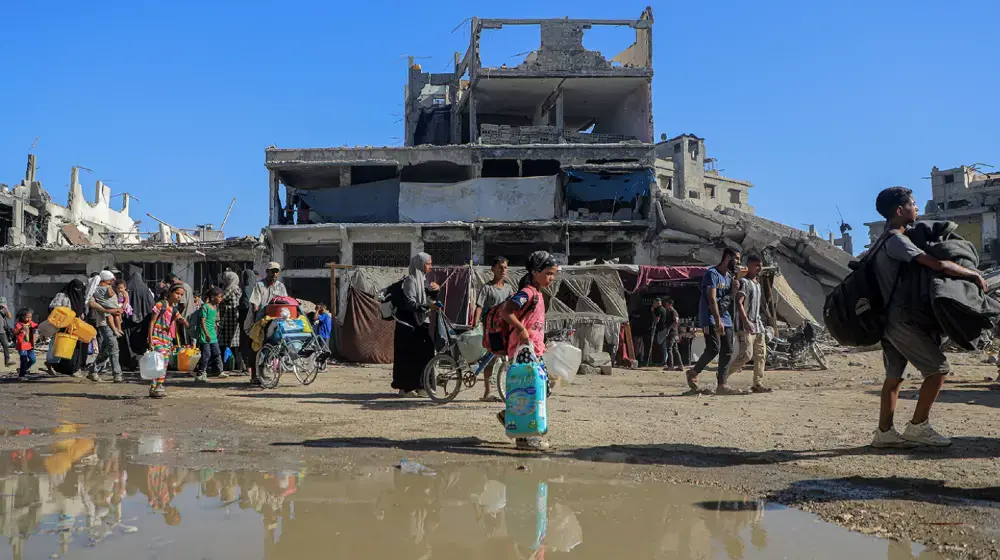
844 517
523 468
215 450
855 364
412 467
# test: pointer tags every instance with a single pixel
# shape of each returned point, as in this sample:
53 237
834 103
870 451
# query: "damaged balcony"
562 93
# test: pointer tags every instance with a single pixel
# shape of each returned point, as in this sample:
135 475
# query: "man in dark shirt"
659 338
671 347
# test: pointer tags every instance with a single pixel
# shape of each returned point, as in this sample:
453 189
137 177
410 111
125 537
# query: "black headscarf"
139 295
248 279
75 291
537 262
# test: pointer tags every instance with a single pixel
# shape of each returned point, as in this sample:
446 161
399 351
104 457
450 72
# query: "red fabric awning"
649 274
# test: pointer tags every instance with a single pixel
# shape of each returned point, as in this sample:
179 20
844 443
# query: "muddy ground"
806 445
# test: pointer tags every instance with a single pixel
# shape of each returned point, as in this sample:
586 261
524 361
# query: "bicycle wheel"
500 376
818 354
269 366
442 378
307 369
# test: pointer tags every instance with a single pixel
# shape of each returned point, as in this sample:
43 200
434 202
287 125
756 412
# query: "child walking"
208 337
162 331
324 325
525 313
24 334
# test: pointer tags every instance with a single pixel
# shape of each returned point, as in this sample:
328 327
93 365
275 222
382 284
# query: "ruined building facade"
685 172
556 153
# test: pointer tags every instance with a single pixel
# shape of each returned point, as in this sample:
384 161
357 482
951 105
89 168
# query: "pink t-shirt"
533 319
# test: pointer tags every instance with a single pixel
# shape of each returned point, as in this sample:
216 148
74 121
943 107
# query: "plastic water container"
65 345
152 365
470 344
187 359
562 360
82 330
61 317
526 386
47 329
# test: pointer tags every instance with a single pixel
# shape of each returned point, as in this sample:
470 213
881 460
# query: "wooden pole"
628 343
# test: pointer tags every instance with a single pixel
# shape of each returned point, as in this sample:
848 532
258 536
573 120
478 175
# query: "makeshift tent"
590 299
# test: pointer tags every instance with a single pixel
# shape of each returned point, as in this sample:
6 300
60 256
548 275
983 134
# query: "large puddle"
88 499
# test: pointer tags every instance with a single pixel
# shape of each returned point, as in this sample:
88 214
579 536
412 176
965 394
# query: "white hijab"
418 289
92 285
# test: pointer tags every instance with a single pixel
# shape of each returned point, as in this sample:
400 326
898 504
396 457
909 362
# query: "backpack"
854 312
391 299
496 331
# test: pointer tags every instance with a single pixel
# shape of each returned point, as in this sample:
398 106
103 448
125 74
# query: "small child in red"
24 335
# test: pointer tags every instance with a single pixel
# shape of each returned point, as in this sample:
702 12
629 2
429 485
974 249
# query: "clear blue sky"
818 104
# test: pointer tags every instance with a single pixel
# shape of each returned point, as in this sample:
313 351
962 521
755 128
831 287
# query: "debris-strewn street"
804 445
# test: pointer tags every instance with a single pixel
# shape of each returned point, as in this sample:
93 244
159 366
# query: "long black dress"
413 346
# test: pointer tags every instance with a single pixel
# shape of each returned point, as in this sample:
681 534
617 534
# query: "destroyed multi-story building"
556 153
683 171
969 197
46 245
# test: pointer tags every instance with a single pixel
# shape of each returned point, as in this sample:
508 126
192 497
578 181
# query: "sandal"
692 379
725 390
491 398
761 389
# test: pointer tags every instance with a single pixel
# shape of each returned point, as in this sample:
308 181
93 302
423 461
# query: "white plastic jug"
470 344
562 360
152 365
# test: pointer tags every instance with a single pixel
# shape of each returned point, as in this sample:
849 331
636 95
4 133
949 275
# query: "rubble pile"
810 266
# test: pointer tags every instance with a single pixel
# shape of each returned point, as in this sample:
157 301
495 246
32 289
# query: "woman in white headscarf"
413 346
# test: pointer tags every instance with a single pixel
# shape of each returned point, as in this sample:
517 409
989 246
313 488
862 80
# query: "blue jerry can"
526 387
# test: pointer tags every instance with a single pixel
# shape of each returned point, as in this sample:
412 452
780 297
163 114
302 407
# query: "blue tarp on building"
370 203
584 186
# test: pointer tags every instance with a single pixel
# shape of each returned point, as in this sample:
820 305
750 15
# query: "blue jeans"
109 348
210 356
27 360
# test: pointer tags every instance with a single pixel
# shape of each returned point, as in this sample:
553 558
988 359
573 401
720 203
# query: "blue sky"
818 104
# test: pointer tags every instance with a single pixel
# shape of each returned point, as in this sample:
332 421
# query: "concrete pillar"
29 173
559 114
478 246
345 175
473 126
273 208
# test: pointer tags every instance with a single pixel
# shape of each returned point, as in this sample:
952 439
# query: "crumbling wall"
562 49
501 199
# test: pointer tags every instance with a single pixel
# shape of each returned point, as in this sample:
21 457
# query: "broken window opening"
949 178
436 172
517 253
694 194
381 254
501 168
955 204
519 41
449 253
734 196
624 251
40 269
540 167
314 256
710 191
152 273
316 290
208 274
361 174
6 223
677 148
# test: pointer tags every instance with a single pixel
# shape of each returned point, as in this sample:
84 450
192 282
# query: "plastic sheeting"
499 199
370 203
584 186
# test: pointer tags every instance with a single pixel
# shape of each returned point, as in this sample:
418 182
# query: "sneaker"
925 434
221 375
890 439
422 394
201 378
94 377
157 392
532 444
119 378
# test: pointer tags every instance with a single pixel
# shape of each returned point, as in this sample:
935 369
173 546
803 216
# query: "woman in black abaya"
412 344
74 290
134 344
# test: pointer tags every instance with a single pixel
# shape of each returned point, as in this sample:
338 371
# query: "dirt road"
804 445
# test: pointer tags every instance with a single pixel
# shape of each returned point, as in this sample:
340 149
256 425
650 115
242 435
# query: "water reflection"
85 498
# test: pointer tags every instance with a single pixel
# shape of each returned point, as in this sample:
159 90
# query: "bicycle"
304 359
448 371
